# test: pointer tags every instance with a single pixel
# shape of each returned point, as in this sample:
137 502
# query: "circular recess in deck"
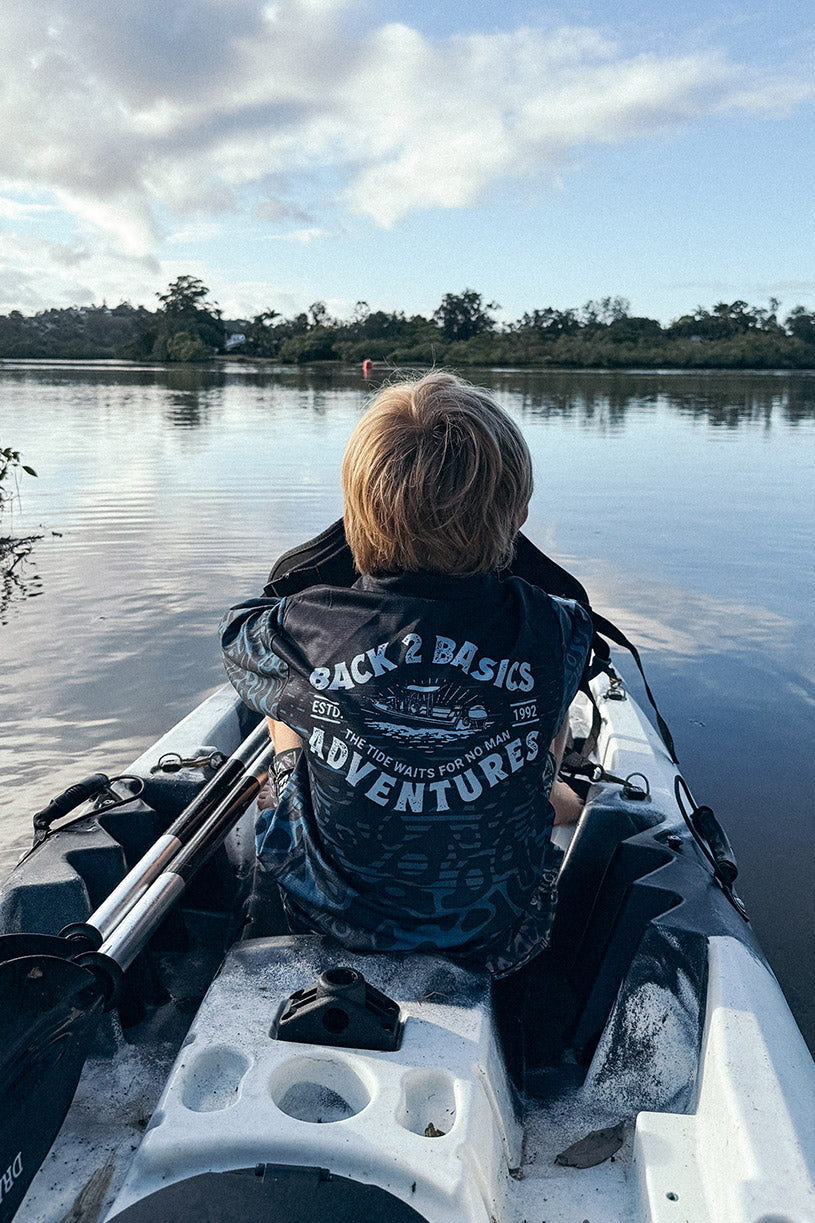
319 1090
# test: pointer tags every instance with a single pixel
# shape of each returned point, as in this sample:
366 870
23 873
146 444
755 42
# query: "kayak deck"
435 1123
221 1107
659 1021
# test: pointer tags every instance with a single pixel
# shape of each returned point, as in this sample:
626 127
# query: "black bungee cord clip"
712 840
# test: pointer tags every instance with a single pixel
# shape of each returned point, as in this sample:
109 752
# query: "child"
429 698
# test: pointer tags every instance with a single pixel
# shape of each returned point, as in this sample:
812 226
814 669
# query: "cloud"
198 231
273 209
74 272
490 107
677 623
15 210
243 299
136 117
304 236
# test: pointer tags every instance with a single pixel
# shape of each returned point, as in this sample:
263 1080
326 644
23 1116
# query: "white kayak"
658 1075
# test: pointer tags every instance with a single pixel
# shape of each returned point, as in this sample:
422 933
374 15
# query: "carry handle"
69 800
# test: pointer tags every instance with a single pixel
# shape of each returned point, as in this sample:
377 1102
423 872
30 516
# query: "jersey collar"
431 585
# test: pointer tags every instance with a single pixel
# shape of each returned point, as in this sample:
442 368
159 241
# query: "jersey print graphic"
418 817
428 712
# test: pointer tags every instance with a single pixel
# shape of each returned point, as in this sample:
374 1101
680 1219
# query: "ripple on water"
684 502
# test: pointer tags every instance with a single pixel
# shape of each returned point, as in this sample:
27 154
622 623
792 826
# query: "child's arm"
282 736
566 803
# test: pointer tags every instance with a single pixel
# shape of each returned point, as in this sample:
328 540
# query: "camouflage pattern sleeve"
248 639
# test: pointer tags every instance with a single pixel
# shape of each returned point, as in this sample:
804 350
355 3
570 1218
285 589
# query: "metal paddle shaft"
103 921
51 999
132 932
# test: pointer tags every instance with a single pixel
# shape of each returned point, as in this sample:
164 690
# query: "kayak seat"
562 998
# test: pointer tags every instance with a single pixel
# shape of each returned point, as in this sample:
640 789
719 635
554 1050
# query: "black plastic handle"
70 799
711 830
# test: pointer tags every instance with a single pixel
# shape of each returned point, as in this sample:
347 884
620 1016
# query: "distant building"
234 340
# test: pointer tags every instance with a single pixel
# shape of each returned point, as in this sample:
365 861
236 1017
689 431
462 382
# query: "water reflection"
726 400
175 487
191 409
756 405
18 577
190 379
194 390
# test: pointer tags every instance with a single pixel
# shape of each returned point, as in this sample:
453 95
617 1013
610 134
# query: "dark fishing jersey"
418 818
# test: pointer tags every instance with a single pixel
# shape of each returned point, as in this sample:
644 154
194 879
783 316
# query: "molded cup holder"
318 1090
213 1080
428 1105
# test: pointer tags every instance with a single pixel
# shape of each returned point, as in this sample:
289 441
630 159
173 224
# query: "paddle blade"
13 946
49 1008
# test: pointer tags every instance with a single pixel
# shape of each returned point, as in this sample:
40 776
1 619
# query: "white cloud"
131 113
243 299
198 231
271 208
517 105
15 210
304 236
37 272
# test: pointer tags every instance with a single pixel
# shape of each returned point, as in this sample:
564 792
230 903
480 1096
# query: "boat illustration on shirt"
426 707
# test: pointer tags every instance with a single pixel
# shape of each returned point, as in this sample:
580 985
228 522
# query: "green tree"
263 334
605 311
723 322
318 315
184 346
632 329
463 315
185 295
801 324
549 323
188 326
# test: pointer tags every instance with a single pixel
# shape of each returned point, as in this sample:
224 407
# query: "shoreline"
387 366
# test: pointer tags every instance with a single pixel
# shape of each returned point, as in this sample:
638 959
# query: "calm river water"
684 502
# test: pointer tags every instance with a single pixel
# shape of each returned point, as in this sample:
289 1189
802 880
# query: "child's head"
436 476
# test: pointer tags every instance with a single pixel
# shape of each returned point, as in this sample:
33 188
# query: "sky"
392 151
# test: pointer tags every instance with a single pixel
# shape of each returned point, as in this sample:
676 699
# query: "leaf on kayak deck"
596 1147
88 1204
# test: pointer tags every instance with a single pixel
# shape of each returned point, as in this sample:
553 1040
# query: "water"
684 502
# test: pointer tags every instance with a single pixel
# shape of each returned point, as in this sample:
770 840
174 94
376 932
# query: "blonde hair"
436 476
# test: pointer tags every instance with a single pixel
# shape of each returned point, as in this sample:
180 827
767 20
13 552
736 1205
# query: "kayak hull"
647 1069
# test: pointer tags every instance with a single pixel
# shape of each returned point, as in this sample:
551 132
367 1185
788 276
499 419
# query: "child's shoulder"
542 609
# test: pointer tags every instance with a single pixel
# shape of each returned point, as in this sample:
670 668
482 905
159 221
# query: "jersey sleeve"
249 637
577 630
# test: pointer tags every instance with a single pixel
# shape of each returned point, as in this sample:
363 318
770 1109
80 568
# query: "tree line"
464 330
